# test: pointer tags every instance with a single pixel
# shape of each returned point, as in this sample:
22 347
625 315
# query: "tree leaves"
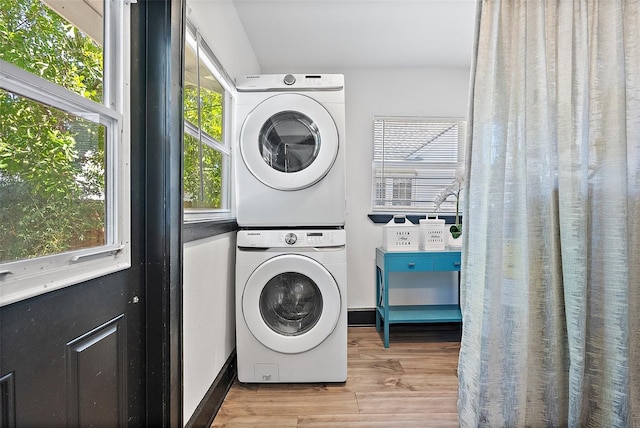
209 171
51 162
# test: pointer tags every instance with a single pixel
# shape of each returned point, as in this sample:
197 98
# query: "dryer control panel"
286 82
294 238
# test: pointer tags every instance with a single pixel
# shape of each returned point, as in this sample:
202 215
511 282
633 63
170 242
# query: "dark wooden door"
66 359
107 352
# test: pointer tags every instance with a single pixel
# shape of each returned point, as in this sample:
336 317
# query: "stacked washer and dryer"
291 268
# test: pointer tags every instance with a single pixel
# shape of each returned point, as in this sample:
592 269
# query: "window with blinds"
414 160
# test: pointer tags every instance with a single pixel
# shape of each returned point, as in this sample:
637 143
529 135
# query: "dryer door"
291 303
289 142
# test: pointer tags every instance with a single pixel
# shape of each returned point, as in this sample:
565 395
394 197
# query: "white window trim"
28 278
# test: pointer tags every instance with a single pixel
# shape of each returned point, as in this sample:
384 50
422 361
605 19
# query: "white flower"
459 175
438 201
454 189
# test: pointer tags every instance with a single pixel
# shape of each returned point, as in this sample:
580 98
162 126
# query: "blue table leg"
378 294
386 333
385 298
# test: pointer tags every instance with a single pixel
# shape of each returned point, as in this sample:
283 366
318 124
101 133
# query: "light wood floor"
413 383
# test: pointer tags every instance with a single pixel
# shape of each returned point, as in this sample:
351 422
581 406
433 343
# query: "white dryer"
290 152
291 309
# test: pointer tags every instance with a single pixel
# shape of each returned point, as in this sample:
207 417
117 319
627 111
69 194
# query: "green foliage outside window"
36 39
211 120
211 175
203 182
51 162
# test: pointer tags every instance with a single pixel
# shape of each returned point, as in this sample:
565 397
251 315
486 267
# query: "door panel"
96 375
7 401
64 357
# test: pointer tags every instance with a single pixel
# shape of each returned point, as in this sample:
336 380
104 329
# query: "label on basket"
403 238
400 235
432 234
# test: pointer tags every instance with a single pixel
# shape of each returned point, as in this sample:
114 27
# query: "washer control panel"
291 238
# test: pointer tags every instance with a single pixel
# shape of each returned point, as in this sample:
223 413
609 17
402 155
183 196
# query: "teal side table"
412 261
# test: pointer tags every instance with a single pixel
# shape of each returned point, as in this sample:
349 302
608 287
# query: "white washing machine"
291 309
290 151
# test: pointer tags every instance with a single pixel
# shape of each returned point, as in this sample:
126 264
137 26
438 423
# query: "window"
402 192
414 160
64 181
207 153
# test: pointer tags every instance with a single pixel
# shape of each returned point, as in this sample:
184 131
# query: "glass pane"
37 39
190 85
211 96
289 141
212 174
191 174
202 182
291 304
52 180
204 166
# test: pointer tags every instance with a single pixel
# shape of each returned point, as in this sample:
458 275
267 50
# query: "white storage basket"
432 233
400 235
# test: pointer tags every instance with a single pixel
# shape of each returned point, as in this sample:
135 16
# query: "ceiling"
301 35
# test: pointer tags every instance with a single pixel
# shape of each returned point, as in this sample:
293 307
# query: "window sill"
384 218
201 229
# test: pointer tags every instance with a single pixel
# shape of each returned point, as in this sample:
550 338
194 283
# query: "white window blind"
414 160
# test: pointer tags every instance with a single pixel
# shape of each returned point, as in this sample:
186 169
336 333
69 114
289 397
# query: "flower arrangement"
454 189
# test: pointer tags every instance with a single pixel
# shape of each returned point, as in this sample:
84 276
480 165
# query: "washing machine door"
291 303
289 142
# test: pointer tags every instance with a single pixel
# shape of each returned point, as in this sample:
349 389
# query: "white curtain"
551 257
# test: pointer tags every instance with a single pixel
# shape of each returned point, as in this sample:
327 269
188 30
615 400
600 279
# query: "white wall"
209 264
387 92
437 92
208 314
221 29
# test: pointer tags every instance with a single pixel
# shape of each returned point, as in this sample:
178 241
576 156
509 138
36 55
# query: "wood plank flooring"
413 383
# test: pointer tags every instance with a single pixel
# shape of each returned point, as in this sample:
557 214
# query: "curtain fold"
550 286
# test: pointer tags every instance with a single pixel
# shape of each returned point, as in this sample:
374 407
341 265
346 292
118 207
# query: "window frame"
26 278
224 147
383 184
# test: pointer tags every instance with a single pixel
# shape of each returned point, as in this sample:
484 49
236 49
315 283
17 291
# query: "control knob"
290 238
289 79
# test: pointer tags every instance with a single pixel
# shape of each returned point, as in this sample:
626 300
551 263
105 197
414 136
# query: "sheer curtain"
551 261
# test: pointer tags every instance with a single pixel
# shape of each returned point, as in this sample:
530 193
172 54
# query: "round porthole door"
291 303
289 142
